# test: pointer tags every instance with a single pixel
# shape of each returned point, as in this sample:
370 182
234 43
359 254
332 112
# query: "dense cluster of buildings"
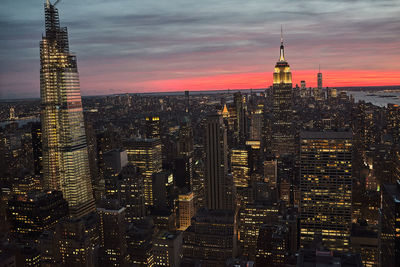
287 176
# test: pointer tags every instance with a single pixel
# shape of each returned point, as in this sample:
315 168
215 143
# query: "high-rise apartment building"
65 154
146 155
282 128
326 188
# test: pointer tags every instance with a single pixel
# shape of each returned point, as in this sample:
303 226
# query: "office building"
65 154
114 161
239 167
282 127
146 155
153 129
303 89
326 188
132 193
113 248
256 125
212 237
251 218
167 248
219 186
390 225
76 241
364 240
271 172
318 94
186 210
35 212
240 132
272 245
323 257
37 148
140 246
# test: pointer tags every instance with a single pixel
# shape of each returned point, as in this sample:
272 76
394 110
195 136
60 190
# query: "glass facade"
65 155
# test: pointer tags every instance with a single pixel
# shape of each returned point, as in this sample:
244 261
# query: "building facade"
65 154
282 127
326 188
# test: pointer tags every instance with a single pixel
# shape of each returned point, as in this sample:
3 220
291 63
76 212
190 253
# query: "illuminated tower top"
282 72
282 51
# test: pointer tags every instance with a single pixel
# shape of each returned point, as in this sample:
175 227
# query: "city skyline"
171 47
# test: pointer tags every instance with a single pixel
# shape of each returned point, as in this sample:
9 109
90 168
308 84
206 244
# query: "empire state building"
65 154
283 132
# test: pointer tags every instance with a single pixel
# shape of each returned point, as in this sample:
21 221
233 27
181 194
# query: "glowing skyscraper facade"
65 154
283 133
326 188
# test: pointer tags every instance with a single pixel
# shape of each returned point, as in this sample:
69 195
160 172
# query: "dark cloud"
143 40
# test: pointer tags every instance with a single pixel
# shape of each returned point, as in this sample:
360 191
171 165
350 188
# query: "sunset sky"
157 45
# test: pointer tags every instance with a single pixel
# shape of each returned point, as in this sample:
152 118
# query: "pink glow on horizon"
331 78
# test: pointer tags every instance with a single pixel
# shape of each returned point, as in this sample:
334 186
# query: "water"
20 122
376 97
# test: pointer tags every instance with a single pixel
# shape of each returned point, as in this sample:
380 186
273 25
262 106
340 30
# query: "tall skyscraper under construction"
283 132
65 154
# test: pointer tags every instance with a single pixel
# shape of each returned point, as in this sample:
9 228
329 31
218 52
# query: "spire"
282 51
47 3
319 68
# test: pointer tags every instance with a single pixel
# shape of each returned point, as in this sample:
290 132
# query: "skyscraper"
36 133
219 186
319 80
390 224
240 118
65 154
153 127
282 128
186 210
318 91
240 167
146 155
35 212
326 188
